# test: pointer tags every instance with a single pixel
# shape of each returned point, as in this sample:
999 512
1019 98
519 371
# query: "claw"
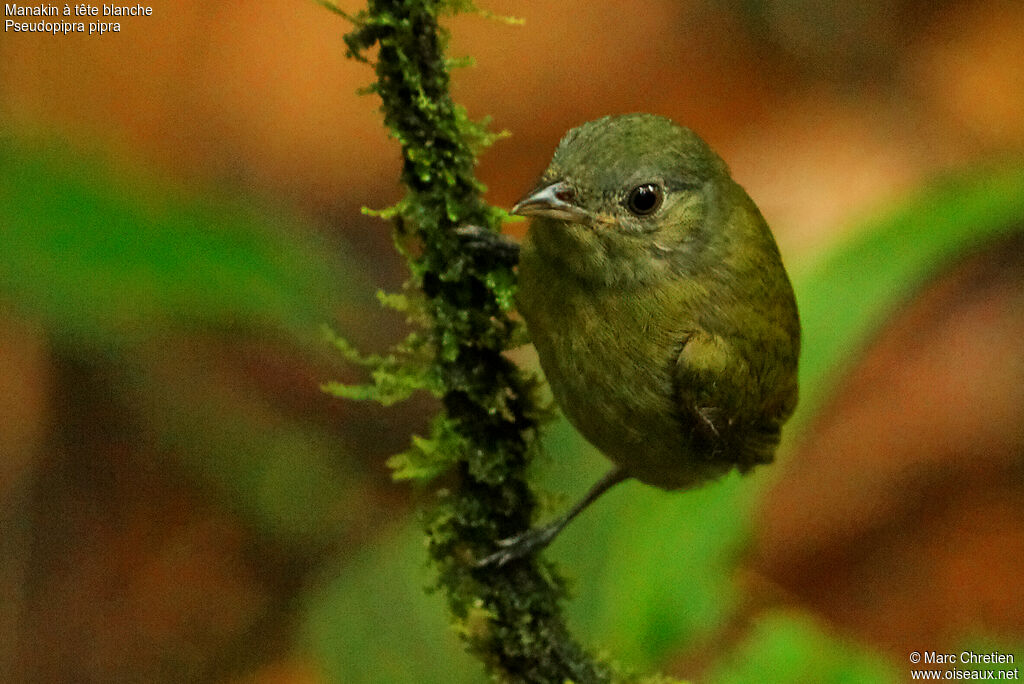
471 231
520 546
533 540
495 244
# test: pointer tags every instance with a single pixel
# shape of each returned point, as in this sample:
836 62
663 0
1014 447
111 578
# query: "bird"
662 315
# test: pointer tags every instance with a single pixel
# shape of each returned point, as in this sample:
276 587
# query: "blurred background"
180 214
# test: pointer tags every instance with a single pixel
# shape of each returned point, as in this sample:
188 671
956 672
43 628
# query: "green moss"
459 301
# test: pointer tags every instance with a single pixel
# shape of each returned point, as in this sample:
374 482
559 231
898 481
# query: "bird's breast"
608 355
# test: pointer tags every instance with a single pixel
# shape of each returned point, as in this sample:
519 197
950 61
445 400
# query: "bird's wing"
720 403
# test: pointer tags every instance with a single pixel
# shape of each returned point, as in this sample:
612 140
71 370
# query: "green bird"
656 298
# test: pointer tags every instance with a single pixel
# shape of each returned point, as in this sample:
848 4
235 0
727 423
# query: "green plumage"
669 335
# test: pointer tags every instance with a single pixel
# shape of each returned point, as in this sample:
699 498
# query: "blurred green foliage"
791 647
374 622
128 271
106 258
153 286
850 292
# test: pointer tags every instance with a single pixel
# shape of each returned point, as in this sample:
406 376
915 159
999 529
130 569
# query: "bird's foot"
533 540
477 239
521 545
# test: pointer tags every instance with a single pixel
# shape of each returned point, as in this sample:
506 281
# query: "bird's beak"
554 201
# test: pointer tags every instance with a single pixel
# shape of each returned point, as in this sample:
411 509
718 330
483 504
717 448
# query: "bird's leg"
498 246
535 539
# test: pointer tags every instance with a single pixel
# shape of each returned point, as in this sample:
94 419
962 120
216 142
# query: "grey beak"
553 201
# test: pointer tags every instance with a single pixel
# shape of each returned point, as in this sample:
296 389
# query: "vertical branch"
510 616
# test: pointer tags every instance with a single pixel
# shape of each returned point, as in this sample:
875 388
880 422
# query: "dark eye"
644 199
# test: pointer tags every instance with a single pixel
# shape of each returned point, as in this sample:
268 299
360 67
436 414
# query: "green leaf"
370 621
849 293
104 257
792 647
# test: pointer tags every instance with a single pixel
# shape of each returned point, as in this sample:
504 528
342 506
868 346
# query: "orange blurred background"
818 110
823 112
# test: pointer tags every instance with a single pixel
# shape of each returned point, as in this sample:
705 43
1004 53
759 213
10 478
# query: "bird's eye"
644 199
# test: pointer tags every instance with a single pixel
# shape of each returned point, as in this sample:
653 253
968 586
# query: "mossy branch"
510 617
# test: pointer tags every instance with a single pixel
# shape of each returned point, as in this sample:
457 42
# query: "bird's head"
622 191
